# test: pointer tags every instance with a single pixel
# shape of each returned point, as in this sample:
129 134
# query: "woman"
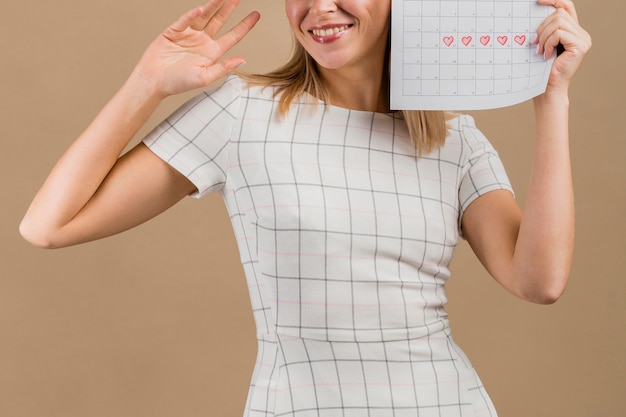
346 214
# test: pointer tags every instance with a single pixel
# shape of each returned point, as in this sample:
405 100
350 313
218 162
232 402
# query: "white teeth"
328 32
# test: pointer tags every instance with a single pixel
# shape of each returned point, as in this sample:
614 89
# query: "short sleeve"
483 170
195 138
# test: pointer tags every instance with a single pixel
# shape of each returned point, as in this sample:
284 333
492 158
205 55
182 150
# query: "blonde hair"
300 76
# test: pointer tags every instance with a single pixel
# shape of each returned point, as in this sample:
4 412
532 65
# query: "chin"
331 63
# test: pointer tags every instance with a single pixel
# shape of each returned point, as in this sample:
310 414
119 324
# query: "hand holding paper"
466 54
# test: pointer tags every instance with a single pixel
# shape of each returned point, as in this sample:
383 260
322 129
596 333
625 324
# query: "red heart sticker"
520 39
448 40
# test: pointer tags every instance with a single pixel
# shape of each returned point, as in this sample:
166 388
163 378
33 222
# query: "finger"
571 36
185 20
551 44
557 18
219 19
554 28
237 33
220 69
208 11
567 5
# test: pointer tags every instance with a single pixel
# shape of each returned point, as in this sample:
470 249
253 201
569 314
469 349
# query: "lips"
329 33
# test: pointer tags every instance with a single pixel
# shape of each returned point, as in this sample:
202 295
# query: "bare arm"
530 252
92 192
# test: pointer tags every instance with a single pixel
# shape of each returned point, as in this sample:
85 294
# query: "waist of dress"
358 335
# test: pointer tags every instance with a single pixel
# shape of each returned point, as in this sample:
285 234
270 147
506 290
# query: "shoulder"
465 139
463 128
247 88
233 99
234 87
253 100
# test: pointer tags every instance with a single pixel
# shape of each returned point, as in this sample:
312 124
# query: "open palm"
186 55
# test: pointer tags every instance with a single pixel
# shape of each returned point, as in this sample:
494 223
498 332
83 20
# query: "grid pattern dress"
345 239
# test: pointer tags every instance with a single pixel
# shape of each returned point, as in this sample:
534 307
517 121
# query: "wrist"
128 110
141 89
552 99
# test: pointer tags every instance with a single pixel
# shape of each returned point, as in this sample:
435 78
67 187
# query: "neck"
360 88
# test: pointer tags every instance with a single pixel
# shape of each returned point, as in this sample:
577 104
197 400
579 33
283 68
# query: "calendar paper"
466 54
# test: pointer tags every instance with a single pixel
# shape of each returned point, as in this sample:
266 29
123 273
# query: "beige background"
156 322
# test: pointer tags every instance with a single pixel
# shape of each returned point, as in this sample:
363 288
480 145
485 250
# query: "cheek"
383 6
295 13
377 7
384 10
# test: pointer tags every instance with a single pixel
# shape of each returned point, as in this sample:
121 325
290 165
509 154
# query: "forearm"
543 253
82 169
530 252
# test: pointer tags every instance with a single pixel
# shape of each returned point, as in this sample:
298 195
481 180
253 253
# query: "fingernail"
533 37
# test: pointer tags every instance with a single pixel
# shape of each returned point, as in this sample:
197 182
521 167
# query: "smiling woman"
329 33
350 39
346 217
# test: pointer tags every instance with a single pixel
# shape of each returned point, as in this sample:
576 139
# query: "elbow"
36 235
547 297
548 290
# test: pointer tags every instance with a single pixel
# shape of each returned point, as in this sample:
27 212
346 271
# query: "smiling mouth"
321 33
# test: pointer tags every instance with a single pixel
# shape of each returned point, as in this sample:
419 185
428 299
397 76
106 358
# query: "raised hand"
562 27
86 196
187 55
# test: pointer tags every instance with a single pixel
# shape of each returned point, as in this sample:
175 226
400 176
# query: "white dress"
345 239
